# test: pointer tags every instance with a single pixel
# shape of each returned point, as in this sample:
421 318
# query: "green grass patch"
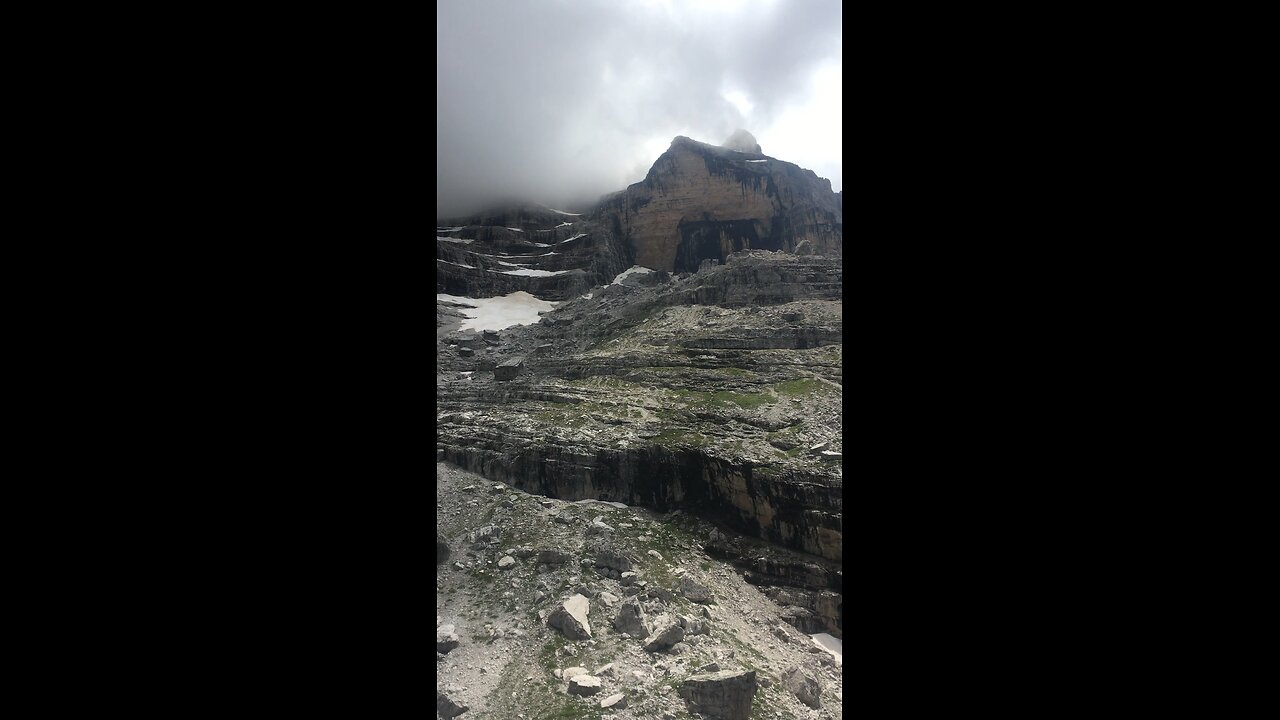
802 387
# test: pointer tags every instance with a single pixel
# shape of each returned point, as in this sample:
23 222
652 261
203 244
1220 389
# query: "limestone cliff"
700 202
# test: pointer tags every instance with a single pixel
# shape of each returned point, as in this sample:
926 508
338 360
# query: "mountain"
697 202
675 353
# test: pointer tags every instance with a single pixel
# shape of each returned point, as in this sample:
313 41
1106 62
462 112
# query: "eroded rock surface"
725 695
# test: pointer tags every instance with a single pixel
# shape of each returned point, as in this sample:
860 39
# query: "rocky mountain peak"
742 141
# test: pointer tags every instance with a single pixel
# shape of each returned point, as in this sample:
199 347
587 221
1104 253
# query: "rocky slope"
555 609
717 393
551 254
688 367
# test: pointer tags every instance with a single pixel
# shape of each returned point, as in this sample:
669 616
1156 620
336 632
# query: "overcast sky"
561 101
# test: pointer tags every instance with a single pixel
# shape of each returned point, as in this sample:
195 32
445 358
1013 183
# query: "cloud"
561 101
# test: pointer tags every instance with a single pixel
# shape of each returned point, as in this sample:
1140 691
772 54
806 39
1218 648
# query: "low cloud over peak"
561 102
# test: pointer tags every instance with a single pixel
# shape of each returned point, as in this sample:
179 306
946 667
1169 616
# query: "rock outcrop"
724 695
700 201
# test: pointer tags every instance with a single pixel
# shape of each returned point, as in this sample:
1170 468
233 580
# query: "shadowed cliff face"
800 512
702 202
486 254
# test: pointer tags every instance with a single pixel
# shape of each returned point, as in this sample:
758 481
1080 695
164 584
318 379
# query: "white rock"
584 685
571 618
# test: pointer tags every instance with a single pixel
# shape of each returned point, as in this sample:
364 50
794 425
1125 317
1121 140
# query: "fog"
561 101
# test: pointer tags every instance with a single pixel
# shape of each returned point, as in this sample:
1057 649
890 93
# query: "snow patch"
510 264
464 241
587 296
460 227
515 229
563 224
633 270
565 213
833 645
575 237
537 244
757 161
446 262
497 313
532 273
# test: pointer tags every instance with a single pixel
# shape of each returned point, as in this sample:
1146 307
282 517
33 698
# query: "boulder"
666 632
804 685
616 701
506 563
447 708
608 599
724 695
508 369
584 685
570 618
446 639
694 591
487 535
632 620
552 557
610 558
573 672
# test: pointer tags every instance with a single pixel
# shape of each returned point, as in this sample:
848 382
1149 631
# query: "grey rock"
508 369
666 632
446 639
506 563
632 620
584 685
552 557
447 708
724 695
616 701
694 591
612 558
442 549
804 685
570 618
